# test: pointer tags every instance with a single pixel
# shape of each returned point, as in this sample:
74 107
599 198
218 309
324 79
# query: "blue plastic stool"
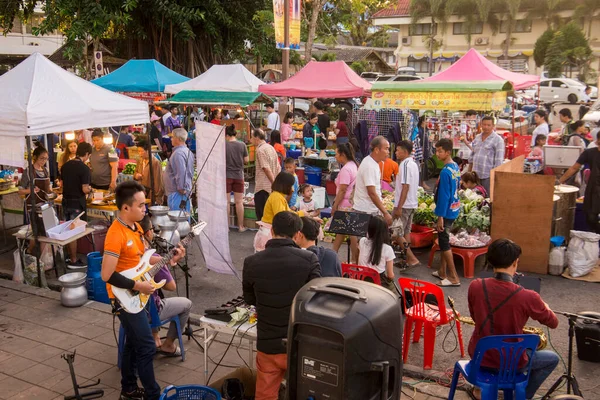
186 392
155 322
509 377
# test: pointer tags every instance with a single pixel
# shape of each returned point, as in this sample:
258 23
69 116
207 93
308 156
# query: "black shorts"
444 236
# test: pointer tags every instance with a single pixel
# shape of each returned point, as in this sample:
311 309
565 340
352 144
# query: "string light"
70 135
107 139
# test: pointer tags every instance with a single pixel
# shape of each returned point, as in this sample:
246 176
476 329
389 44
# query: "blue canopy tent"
140 76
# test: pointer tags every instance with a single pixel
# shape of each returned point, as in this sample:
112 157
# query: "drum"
564 217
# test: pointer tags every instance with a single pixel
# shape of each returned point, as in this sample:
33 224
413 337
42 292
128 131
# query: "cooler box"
330 188
295 154
319 196
94 284
84 245
300 174
313 175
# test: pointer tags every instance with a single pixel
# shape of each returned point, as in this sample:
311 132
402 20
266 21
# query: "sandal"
436 274
175 353
446 282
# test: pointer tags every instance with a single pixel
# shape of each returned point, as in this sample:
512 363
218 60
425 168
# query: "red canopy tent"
475 67
333 79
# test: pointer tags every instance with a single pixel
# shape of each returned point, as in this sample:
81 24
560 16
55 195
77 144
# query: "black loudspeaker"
344 342
587 334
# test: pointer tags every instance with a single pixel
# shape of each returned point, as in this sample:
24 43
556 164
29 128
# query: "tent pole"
152 196
513 122
32 220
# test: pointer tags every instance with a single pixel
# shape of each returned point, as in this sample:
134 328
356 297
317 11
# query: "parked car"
406 71
370 76
561 90
398 78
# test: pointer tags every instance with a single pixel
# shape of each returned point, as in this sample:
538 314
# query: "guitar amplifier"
587 335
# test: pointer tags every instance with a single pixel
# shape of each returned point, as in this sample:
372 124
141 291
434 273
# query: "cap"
154 118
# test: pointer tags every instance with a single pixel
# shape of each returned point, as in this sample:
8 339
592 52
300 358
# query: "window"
545 84
421 30
521 25
461 28
557 84
421 66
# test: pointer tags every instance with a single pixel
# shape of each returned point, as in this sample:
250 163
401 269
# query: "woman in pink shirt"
286 127
345 185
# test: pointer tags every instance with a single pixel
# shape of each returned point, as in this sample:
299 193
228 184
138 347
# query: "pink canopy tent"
333 79
475 67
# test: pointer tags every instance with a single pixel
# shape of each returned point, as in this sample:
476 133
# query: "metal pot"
169 232
182 219
74 293
159 215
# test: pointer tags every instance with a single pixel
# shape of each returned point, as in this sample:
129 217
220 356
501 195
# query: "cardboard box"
245 375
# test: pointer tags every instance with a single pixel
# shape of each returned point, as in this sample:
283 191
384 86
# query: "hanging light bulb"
107 139
70 135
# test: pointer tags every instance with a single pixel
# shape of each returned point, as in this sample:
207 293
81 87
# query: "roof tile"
401 9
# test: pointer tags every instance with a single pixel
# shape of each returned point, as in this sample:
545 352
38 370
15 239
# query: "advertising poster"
454 101
295 22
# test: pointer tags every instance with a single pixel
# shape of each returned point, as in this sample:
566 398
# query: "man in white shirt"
273 123
405 198
367 190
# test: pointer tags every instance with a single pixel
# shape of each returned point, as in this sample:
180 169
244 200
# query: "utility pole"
285 56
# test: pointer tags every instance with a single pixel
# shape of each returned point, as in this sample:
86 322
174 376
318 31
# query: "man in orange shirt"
123 249
389 170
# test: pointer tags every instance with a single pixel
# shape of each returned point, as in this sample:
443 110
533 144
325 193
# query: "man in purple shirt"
167 306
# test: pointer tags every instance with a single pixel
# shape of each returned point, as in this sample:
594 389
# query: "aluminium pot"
159 215
73 293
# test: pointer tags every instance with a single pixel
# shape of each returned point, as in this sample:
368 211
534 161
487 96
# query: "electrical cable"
237 349
226 350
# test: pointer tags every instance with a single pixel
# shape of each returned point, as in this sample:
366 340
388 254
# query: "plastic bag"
582 253
30 272
46 258
18 272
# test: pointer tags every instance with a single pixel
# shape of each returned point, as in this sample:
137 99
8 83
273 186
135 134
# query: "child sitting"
290 167
470 180
537 153
375 252
306 202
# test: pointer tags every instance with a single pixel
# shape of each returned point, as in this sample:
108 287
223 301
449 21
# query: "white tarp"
212 199
220 78
39 97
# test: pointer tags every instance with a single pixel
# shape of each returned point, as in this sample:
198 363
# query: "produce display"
6 179
424 214
129 169
325 227
463 239
474 212
388 200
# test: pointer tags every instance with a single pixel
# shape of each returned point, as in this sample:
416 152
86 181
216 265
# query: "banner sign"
455 101
148 97
295 22
213 197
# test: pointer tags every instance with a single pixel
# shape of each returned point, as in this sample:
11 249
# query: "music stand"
350 223
568 375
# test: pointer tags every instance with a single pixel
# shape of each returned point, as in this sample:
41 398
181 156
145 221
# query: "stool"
467 255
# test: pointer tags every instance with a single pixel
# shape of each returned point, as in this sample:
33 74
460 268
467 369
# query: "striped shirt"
124 243
266 157
487 154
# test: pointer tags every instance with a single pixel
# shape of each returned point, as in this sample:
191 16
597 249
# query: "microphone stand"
568 376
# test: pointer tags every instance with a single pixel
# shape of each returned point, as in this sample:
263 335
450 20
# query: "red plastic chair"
468 256
360 273
425 315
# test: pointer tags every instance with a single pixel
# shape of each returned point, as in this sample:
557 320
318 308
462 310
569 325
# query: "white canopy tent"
220 78
39 97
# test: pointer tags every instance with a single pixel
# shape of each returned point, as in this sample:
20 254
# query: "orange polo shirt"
125 243
389 168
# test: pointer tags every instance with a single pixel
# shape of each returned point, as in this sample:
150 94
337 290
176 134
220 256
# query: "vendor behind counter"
104 163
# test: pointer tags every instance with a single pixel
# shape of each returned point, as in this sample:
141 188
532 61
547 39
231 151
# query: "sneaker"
137 394
77 263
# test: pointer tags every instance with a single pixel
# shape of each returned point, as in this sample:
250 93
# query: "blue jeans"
342 140
542 365
138 354
174 201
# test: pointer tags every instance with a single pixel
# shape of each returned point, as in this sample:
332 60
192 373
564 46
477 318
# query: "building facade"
413 40
20 43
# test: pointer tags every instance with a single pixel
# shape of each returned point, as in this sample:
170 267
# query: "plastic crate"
189 392
421 236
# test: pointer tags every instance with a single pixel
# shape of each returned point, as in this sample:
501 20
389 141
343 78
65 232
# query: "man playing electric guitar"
123 249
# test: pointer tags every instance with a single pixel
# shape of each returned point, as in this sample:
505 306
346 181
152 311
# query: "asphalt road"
209 289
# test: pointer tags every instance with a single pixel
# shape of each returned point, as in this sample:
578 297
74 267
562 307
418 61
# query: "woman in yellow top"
283 187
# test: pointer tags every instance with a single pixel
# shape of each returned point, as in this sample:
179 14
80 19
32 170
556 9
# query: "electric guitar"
133 301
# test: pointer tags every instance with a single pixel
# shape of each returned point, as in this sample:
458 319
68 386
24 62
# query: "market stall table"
4 193
52 242
245 331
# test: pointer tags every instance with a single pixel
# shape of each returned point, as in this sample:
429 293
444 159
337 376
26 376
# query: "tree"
569 47
359 66
317 7
587 11
548 10
437 11
541 47
511 9
465 9
328 57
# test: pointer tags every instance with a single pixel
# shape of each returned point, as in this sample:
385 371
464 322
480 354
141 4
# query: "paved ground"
35 330
209 289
